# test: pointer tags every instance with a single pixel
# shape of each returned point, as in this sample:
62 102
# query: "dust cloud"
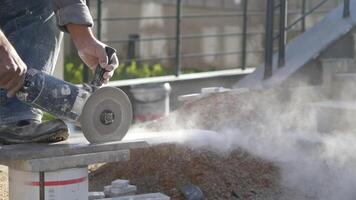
315 165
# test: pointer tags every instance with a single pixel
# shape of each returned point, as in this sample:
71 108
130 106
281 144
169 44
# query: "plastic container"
68 184
150 101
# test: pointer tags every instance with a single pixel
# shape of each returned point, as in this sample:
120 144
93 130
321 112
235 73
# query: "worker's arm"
73 16
12 68
92 51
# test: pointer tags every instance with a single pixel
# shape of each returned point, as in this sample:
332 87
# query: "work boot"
33 131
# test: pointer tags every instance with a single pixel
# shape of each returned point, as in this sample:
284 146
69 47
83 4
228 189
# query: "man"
30 38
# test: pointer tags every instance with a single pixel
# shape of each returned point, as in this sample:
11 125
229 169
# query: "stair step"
151 196
344 77
343 87
335 116
343 105
336 66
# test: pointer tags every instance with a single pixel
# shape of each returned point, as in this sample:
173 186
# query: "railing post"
304 9
42 188
346 8
178 38
85 73
99 18
282 33
269 40
244 35
132 49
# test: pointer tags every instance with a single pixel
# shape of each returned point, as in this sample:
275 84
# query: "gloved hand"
12 68
91 50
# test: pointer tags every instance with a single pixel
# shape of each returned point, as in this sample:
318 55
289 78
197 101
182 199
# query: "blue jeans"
30 27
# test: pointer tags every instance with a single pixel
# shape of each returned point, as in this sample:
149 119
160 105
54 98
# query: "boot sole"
57 136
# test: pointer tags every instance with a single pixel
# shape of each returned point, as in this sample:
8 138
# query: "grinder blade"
106 115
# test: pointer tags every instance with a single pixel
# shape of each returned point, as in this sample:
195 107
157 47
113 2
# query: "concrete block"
107 190
129 190
334 66
120 183
70 154
152 196
65 162
343 85
96 195
335 116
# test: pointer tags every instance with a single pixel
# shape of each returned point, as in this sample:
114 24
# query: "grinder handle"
99 71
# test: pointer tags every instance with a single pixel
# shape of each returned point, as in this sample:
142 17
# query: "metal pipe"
194 36
282 33
313 10
188 36
42 188
304 7
197 16
85 73
346 8
99 19
178 58
194 55
269 40
132 47
244 35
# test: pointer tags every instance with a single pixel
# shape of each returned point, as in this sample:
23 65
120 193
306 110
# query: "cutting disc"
106 115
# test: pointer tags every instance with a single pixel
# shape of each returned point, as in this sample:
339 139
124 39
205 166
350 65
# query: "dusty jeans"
30 27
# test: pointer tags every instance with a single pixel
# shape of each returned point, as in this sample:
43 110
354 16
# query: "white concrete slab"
72 153
152 196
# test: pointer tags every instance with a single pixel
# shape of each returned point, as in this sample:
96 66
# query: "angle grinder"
104 113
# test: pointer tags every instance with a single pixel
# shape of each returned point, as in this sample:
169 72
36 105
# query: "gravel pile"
168 168
4 187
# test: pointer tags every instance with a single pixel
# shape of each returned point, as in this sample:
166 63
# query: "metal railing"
346 8
284 28
177 56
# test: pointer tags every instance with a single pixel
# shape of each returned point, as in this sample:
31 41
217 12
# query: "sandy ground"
4 189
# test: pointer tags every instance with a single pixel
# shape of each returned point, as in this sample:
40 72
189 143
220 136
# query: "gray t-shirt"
72 12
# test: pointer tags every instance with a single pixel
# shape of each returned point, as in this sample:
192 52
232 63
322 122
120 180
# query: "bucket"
150 101
68 184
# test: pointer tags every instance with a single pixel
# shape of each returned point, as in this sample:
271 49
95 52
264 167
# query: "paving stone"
335 116
151 196
129 190
120 183
107 190
96 195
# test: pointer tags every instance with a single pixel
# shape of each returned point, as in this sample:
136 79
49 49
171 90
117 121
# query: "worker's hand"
12 68
92 51
94 54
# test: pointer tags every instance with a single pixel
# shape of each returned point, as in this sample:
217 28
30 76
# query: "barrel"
150 101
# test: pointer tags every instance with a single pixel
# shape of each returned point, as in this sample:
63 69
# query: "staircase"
337 112
323 60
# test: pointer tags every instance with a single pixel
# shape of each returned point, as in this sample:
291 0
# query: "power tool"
104 113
